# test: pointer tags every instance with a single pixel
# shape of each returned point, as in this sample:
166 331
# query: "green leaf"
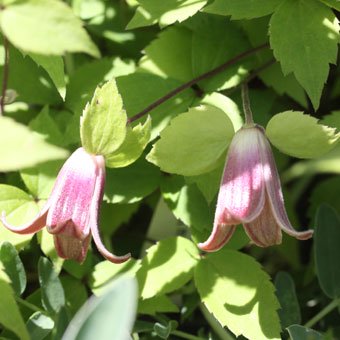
52 293
109 317
54 66
84 80
46 126
17 143
103 123
250 306
286 294
10 316
13 267
167 266
190 146
298 332
150 88
40 179
131 184
287 131
104 272
299 30
157 304
39 325
327 251
133 146
242 9
30 25
332 3
20 208
165 12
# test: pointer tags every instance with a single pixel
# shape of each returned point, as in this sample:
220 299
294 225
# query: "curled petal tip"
219 237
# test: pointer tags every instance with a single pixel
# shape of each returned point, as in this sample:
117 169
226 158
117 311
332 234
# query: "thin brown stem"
4 76
246 105
194 81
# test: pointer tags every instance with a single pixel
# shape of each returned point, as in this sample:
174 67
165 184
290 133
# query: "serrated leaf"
10 316
13 267
39 325
287 132
135 141
326 250
285 291
189 146
131 184
19 208
157 304
298 332
54 66
17 143
109 317
167 266
103 123
165 12
242 9
52 293
250 306
29 25
298 31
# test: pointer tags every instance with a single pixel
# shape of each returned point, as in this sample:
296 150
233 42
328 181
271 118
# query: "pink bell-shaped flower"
250 192
71 212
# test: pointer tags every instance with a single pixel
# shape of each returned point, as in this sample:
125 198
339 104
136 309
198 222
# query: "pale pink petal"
72 194
68 245
94 210
242 187
218 238
29 228
264 230
273 189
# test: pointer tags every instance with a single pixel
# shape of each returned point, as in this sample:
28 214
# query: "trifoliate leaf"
299 30
103 123
300 135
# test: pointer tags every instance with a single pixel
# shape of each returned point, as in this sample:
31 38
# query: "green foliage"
188 146
10 315
167 266
22 140
298 30
242 9
103 123
286 131
297 332
250 306
31 24
108 317
39 325
327 236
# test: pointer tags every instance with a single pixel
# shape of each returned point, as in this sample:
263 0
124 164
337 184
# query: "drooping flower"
250 193
71 212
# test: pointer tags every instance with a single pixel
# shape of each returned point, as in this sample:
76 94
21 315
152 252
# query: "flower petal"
274 191
218 238
72 194
69 246
264 230
242 186
29 228
97 197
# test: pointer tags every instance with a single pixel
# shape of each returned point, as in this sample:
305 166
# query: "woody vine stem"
194 81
